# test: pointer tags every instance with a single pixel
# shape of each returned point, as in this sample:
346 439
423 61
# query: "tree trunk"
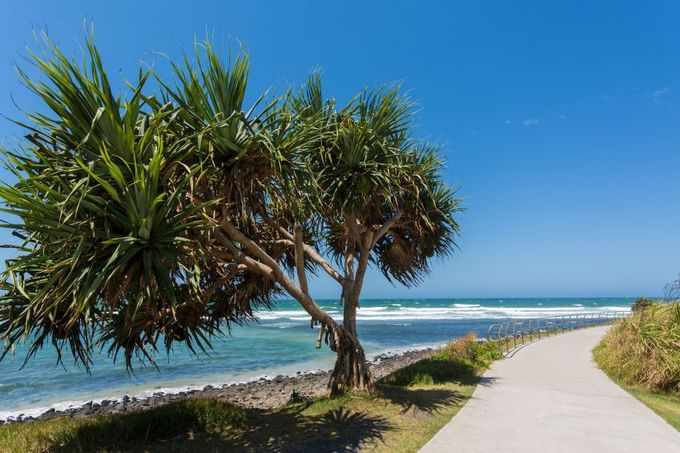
351 370
349 316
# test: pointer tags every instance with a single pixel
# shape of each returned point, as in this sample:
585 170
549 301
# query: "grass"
665 405
409 407
461 358
642 354
644 349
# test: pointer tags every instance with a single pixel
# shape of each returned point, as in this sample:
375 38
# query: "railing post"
529 326
507 340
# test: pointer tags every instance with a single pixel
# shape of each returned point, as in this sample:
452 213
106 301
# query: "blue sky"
560 120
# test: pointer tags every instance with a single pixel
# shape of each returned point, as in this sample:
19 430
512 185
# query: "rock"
263 393
47 414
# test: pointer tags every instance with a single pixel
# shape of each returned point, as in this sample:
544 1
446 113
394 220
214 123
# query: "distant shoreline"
262 393
277 346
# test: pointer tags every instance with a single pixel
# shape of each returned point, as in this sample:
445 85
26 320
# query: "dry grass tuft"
644 349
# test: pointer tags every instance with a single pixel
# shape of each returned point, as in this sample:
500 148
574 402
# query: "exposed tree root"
351 371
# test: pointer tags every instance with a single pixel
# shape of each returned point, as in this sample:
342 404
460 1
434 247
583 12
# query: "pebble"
261 394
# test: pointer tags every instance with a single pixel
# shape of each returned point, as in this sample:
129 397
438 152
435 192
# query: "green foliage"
367 168
119 431
460 359
111 249
112 218
166 421
120 201
667 405
644 349
641 303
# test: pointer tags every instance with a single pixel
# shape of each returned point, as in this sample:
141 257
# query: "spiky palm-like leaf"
367 167
113 250
147 220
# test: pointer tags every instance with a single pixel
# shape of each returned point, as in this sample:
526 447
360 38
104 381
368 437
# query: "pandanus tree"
169 214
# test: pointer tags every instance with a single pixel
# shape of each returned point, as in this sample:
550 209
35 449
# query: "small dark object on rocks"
295 397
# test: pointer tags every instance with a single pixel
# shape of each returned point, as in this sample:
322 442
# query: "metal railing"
515 332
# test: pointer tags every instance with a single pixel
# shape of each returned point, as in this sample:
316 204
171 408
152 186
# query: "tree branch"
234 268
235 234
245 259
313 254
274 273
368 241
355 227
286 242
300 259
329 269
384 228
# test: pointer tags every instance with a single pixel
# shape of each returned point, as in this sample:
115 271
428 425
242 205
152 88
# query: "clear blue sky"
561 120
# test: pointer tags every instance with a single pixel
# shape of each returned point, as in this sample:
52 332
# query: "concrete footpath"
551 397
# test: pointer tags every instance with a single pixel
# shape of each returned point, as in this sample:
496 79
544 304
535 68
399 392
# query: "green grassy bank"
409 407
642 354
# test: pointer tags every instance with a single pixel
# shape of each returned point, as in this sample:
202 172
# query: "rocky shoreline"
261 394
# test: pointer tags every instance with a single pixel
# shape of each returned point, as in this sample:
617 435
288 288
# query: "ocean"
282 342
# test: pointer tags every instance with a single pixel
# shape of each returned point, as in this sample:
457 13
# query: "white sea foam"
456 311
389 312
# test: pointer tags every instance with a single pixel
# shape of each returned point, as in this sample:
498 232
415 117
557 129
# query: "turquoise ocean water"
281 343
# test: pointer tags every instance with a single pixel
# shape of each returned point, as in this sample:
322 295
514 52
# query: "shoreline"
259 393
385 313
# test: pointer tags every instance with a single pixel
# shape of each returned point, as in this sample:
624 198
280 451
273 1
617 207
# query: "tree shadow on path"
339 430
421 400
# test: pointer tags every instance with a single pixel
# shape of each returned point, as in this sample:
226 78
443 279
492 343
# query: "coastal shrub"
158 424
644 349
461 359
641 303
199 415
